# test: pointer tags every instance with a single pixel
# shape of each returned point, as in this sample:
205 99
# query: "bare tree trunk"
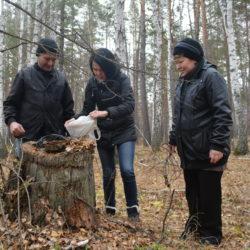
190 19
61 43
23 24
144 102
196 4
226 7
135 74
204 29
167 104
1 68
248 76
157 113
181 7
120 35
54 18
36 36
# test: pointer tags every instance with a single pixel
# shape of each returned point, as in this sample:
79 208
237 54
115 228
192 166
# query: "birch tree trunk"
23 34
35 37
170 90
157 111
1 68
135 74
54 17
248 76
61 43
144 103
120 35
226 7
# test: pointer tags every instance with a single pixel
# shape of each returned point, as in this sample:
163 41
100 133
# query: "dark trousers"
126 153
203 194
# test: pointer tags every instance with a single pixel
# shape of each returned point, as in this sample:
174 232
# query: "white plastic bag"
84 125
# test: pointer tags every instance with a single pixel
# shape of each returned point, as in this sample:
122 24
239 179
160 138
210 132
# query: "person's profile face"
184 65
46 61
98 72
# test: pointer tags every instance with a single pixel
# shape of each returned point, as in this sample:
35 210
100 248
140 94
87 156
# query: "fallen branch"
165 217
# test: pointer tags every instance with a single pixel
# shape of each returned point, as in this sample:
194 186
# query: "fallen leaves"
117 233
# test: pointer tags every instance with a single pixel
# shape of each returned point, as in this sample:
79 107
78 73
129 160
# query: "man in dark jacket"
201 132
40 100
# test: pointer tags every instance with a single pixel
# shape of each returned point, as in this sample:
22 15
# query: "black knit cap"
106 60
189 48
47 45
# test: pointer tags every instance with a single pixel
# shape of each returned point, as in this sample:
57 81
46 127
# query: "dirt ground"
155 198
117 232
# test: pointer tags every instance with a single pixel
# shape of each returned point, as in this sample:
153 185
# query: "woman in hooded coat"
110 91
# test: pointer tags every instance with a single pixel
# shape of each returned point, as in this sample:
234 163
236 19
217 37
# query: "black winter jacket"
202 118
116 97
40 101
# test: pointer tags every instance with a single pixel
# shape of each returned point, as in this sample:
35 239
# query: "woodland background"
142 33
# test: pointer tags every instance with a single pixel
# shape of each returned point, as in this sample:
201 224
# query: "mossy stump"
64 180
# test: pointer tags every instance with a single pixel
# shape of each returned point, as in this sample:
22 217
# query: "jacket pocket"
201 141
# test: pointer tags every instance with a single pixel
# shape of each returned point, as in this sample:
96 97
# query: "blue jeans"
126 153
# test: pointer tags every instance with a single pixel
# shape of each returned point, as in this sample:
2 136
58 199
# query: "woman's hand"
215 156
98 114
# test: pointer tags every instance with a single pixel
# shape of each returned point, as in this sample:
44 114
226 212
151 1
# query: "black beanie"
47 45
189 48
106 60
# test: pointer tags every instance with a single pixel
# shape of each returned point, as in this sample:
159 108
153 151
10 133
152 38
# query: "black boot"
133 213
110 210
210 240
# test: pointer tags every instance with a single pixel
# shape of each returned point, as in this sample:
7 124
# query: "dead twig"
166 215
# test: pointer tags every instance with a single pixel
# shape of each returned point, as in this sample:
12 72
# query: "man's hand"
172 149
215 156
98 114
16 129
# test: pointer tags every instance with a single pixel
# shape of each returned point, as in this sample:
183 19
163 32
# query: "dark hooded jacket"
202 118
41 101
115 96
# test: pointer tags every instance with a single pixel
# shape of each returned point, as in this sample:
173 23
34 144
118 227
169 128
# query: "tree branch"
16 46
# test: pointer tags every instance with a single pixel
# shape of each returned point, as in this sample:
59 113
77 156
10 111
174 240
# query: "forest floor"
155 200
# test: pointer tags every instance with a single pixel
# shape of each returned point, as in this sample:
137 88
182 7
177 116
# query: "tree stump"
62 179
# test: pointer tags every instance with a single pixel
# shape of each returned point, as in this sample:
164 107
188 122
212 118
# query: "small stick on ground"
166 215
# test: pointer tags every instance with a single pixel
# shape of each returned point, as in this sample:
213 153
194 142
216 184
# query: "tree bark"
157 108
120 35
1 68
196 4
204 29
60 181
61 43
144 103
226 8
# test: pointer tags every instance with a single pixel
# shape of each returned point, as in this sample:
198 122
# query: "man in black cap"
40 99
201 132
